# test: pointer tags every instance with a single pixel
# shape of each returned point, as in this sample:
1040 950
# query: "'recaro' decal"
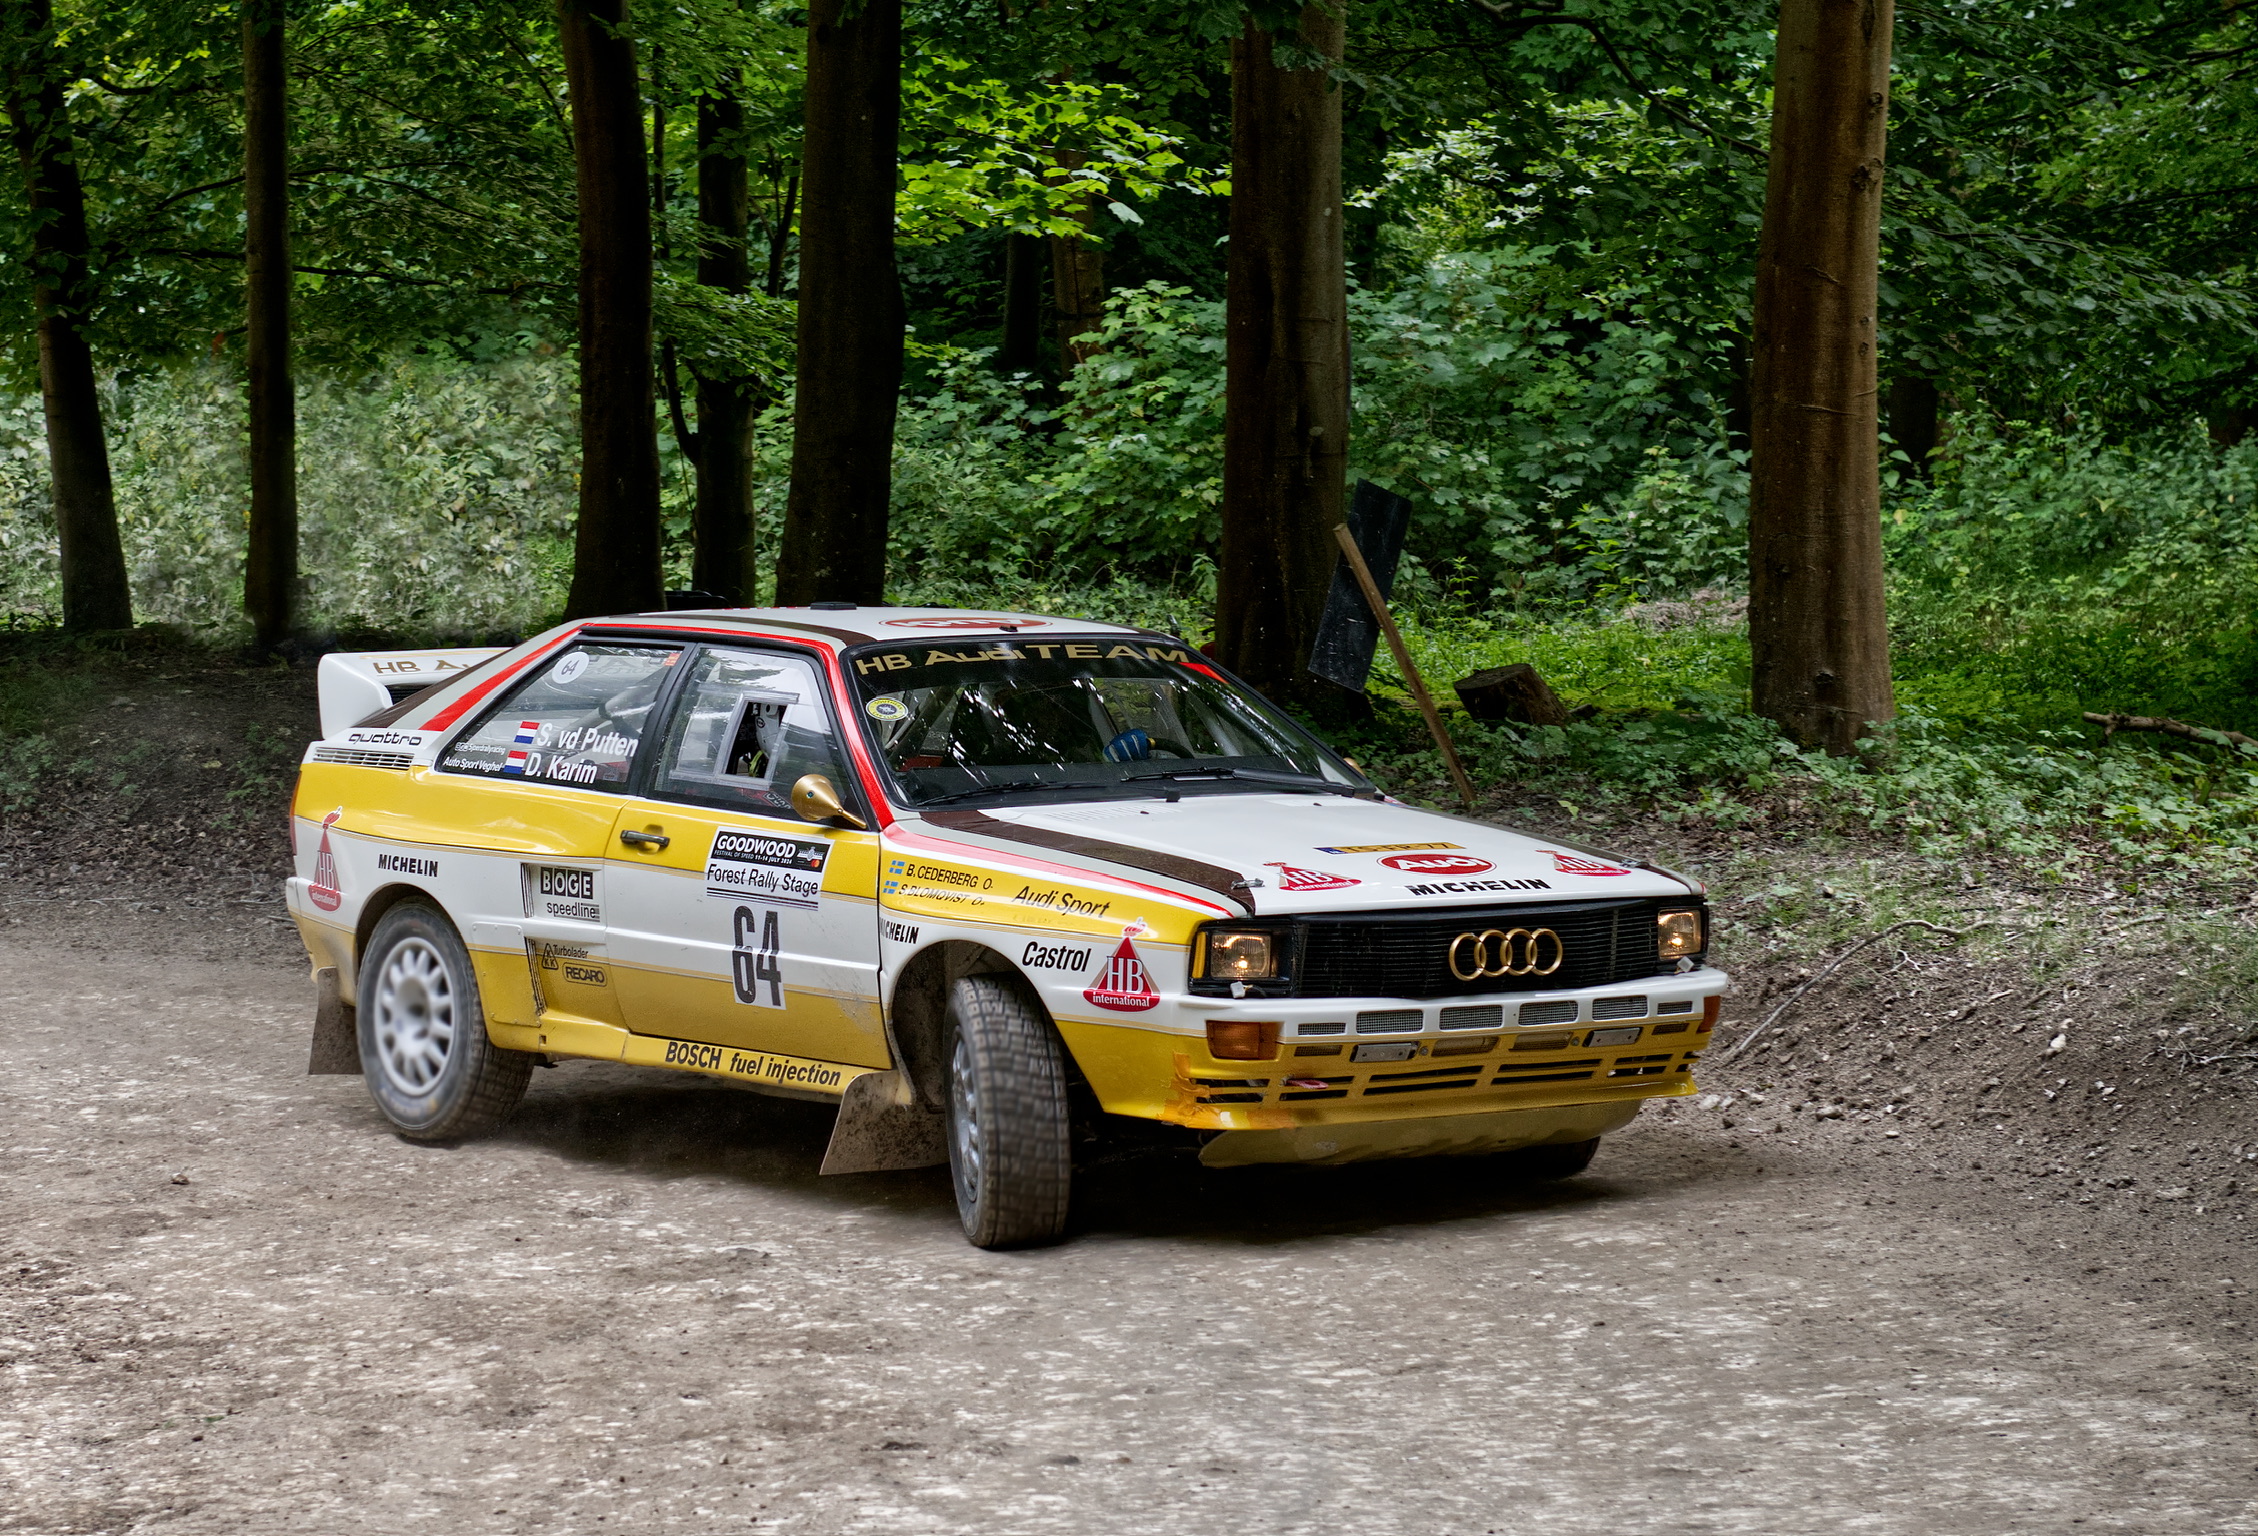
1576 864
1293 878
323 889
1439 864
1123 985
756 866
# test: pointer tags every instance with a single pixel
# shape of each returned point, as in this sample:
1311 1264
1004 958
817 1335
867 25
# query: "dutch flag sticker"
526 731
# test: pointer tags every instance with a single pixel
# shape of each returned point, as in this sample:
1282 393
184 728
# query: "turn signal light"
1242 1040
1709 1007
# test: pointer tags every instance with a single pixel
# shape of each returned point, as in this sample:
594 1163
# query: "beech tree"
1818 637
95 594
1286 392
270 564
616 544
851 313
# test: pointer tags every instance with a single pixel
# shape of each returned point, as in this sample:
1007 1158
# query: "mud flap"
882 1126
337 1042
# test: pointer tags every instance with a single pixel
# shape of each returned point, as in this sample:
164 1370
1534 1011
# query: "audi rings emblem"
1506 952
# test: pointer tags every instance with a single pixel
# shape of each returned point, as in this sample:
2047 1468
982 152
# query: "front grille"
1481 1016
1390 1021
1547 1013
1408 954
1618 1008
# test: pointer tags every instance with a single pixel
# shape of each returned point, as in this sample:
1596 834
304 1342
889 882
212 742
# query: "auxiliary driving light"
1679 931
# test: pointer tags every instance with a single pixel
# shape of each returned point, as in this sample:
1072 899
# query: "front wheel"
1010 1130
424 1051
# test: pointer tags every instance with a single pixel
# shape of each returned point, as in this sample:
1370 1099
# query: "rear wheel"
424 1051
1010 1129
1555 1161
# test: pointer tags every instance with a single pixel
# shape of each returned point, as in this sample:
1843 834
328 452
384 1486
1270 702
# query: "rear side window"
576 721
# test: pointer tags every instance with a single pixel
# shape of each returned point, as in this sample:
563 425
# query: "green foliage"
1026 159
434 498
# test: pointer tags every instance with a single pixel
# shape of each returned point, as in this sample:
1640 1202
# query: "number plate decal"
756 959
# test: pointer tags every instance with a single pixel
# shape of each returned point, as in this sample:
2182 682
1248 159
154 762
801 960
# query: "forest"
360 323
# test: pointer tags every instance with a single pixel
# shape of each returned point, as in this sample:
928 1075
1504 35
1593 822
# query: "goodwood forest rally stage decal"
760 866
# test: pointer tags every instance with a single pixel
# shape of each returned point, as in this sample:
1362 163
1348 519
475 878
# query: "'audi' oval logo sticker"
1437 863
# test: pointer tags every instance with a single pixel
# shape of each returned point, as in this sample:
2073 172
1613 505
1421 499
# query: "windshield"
1102 716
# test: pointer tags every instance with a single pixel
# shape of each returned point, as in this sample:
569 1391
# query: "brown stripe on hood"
1227 883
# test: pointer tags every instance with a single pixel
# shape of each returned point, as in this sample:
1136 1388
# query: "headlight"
1238 955
1679 932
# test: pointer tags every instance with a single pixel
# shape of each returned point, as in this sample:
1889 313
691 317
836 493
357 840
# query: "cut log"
1511 693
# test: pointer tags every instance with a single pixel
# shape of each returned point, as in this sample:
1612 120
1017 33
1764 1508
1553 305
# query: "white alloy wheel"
425 1054
414 1016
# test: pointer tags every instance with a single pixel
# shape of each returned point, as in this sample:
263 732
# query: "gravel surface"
231 1302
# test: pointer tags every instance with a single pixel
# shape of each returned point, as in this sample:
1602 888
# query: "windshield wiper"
1029 787
1254 776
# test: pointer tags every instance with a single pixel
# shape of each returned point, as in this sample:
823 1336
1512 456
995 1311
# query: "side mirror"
817 800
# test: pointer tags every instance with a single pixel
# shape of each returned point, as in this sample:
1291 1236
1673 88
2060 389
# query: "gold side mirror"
816 799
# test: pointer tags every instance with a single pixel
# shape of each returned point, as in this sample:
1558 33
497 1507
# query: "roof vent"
832 607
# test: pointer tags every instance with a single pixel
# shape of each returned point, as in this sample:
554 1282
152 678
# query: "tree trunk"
1077 283
723 519
615 560
1818 637
95 592
851 314
1913 420
270 564
1286 401
1021 351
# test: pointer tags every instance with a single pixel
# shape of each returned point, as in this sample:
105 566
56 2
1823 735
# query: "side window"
576 721
748 725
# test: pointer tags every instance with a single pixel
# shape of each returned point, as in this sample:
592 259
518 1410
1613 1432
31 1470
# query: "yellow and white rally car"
984 881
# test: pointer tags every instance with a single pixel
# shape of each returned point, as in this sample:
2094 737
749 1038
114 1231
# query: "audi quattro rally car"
966 876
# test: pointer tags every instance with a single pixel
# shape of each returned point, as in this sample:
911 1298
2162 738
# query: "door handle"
649 842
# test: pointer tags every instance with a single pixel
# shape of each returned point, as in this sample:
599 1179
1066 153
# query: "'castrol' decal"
1123 985
1438 863
1293 878
1576 864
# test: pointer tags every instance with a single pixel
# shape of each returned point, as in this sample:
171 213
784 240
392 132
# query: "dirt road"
233 1303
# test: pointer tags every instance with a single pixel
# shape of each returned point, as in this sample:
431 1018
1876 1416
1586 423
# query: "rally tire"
424 1051
1554 1161
1010 1129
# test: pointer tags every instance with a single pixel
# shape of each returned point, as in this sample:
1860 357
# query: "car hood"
1316 853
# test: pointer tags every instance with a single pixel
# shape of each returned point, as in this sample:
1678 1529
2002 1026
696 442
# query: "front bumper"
1420 1060
1502 1130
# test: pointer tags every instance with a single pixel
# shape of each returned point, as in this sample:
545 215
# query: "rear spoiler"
356 684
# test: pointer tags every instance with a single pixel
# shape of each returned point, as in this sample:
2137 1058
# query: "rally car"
984 881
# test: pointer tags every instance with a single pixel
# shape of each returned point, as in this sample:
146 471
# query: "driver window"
576 721
748 726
